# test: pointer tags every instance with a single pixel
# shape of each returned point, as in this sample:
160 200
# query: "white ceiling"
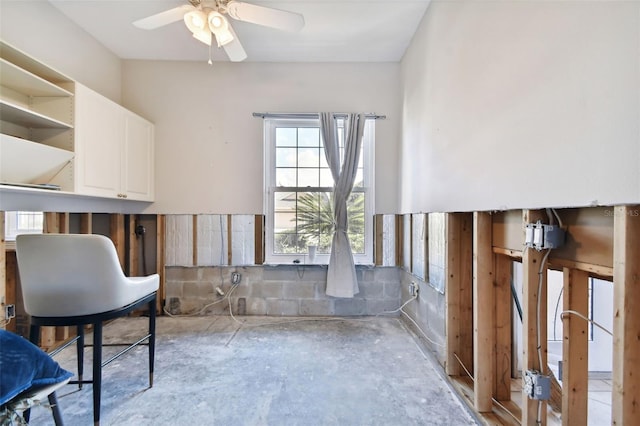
335 30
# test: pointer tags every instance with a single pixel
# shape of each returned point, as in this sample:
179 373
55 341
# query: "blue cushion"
23 365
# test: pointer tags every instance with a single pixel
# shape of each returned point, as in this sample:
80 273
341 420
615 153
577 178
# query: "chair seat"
75 275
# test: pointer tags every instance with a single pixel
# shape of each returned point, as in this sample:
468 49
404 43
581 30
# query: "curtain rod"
309 115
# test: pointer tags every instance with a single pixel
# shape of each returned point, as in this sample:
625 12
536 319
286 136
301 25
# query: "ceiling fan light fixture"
219 26
195 20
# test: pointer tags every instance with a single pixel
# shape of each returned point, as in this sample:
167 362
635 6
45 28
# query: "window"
22 223
299 193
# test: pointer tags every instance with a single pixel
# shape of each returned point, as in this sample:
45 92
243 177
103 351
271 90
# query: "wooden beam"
134 248
504 322
160 248
3 268
63 223
117 235
11 297
459 292
531 261
229 240
399 240
258 257
626 320
50 225
86 223
378 238
575 348
483 313
194 241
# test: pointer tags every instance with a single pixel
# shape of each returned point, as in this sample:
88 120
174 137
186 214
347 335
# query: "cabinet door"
138 158
99 135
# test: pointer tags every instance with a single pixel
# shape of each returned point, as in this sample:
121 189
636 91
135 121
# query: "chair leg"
152 339
34 337
80 353
55 409
97 371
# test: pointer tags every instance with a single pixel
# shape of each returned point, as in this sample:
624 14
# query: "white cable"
421 330
538 326
517 419
400 308
538 309
560 224
569 311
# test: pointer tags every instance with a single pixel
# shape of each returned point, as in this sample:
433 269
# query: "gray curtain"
341 275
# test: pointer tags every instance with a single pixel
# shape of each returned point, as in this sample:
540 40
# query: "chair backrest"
67 274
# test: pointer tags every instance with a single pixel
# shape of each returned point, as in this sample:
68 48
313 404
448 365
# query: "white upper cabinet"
114 149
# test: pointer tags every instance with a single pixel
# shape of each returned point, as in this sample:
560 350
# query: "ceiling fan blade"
163 18
234 48
274 18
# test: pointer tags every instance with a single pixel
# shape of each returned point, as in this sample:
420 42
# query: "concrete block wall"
283 290
429 313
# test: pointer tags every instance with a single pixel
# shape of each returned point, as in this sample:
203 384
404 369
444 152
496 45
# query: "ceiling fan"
206 19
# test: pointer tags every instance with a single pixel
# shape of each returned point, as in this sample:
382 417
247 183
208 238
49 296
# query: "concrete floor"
214 371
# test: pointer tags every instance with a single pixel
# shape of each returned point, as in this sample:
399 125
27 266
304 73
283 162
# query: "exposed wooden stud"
410 265
531 261
229 240
483 313
259 240
11 298
3 267
626 321
514 254
194 241
378 237
47 337
504 321
50 225
134 248
63 223
62 333
604 272
117 235
160 247
86 223
575 348
459 292
399 240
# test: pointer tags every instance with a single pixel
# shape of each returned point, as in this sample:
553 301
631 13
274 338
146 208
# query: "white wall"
40 30
209 156
521 105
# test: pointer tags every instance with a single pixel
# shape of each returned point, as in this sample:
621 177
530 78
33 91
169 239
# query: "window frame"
12 221
368 156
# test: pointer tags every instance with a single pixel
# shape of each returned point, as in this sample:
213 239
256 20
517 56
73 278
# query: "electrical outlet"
536 385
9 311
235 278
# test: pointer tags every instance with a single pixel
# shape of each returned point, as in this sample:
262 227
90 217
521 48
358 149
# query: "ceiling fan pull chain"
210 62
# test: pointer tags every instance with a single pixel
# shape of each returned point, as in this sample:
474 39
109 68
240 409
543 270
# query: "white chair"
70 279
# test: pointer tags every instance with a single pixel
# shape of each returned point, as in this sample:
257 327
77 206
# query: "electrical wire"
492 399
538 310
555 313
569 311
539 327
560 224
